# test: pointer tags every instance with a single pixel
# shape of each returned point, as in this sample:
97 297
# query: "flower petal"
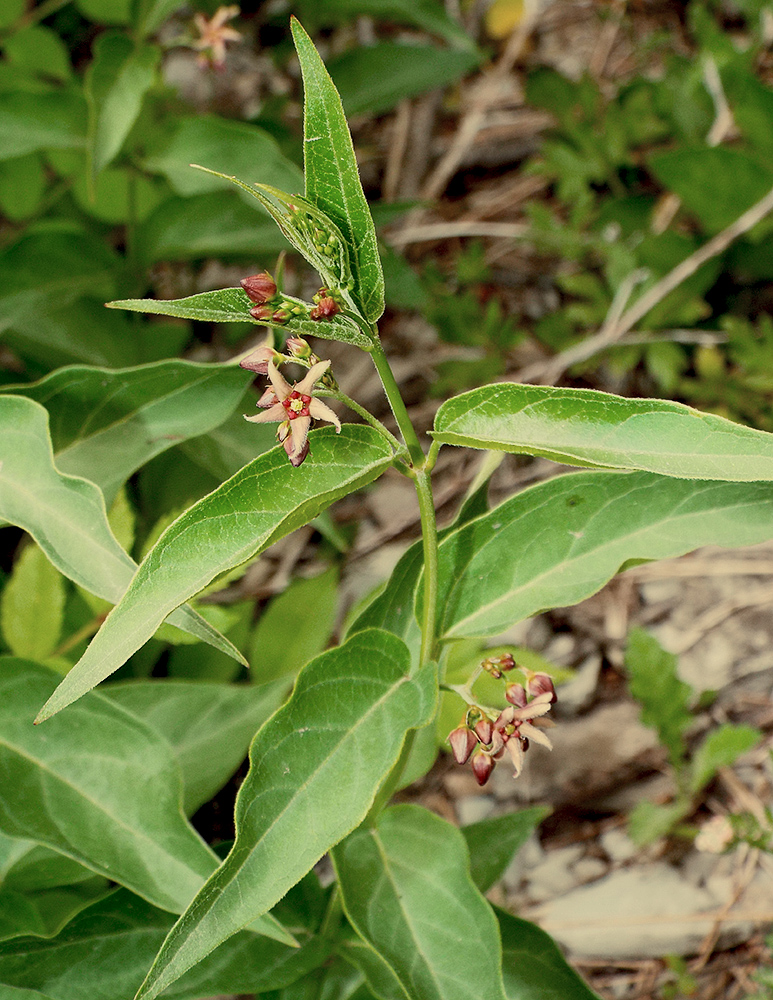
314 373
319 411
534 734
273 413
281 387
515 751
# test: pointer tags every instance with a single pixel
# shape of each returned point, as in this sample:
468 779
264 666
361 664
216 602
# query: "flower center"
296 405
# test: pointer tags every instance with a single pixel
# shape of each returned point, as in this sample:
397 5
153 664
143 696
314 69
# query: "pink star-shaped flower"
295 407
214 34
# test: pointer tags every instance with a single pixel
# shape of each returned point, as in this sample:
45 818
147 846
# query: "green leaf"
259 505
22 185
332 179
649 821
533 967
207 225
493 842
31 122
375 78
716 184
32 606
105 951
655 684
39 50
194 717
721 748
231 305
10 11
279 648
225 147
589 428
118 77
428 15
106 424
346 720
559 542
106 11
45 913
153 13
101 787
407 891
66 515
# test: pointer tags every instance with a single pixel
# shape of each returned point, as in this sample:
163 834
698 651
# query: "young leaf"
721 748
262 503
32 606
550 547
66 515
116 82
105 951
31 122
193 717
407 891
649 821
102 788
346 720
596 429
493 842
332 179
231 305
106 424
533 967
655 684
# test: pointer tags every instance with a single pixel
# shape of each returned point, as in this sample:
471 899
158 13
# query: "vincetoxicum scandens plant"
406 917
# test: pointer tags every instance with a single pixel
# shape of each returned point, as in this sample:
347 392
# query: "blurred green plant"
667 707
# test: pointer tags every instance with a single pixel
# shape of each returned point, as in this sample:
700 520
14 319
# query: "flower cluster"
271 305
293 406
487 735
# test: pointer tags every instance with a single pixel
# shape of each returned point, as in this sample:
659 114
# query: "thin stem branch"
430 544
396 403
366 416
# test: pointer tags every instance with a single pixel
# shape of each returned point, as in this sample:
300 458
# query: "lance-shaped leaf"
332 179
104 953
101 787
117 80
597 429
557 543
532 965
106 423
345 722
264 501
66 515
407 890
231 305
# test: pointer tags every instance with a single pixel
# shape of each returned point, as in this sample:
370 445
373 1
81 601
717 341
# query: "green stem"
396 402
429 540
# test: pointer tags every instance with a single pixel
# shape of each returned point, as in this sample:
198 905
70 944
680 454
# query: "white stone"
618 845
474 808
643 912
554 875
524 862
589 870
580 689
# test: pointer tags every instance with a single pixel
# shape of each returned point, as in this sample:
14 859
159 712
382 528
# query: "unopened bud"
298 347
541 683
484 730
258 360
482 766
261 312
516 695
280 316
325 308
259 288
463 741
505 661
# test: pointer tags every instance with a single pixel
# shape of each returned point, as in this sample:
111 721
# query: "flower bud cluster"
270 304
487 735
326 305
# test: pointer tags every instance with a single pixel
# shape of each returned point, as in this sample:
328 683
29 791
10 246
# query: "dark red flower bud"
261 312
484 730
258 360
541 683
259 288
482 766
280 316
463 741
516 695
298 347
504 662
325 308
